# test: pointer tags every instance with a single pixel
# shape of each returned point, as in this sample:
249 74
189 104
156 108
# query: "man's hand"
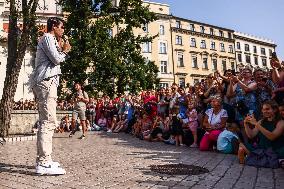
66 46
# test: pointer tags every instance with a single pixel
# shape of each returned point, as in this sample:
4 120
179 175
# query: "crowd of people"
239 112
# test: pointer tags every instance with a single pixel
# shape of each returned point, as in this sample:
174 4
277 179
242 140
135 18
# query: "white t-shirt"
213 119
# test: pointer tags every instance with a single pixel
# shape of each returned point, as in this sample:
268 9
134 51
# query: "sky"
262 18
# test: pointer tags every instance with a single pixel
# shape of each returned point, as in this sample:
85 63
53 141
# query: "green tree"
110 63
18 42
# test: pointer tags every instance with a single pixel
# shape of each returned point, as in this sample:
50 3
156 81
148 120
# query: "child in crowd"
102 122
192 124
177 131
64 124
228 140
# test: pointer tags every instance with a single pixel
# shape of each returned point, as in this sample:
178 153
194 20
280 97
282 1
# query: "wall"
23 121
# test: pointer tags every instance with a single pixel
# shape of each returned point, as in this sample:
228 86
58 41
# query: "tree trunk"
16 54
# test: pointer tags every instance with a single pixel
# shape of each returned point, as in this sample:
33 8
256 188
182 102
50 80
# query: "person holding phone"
277 78
44 82
269 131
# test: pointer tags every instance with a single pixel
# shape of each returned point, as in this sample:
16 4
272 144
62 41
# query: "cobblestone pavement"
122 161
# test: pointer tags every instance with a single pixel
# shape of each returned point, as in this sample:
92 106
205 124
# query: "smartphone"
250 112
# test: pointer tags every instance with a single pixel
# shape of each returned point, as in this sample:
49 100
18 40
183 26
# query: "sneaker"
70 135
109 131
82 137
49 170
52 163
193 145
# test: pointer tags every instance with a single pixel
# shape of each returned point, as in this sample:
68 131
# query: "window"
164 67
180 59
247 47
193 42
222 47
213 45
162 30
224 65
262 50
145 28
178 40
202 29
238 45
264 62
229 35
256 60
203 44
191 27
211 31
240 58
181 82
254 49
231 50
214 64
194 61
270 52
163 48
178 24
248 59
164 85
221 33
205 64
147 47
232 65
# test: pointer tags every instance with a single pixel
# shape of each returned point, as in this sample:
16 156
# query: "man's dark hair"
53 21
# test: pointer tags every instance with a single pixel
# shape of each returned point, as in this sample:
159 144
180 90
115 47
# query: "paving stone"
122 161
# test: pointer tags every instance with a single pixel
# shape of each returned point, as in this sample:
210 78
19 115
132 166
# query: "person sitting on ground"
157 130
137 126
121 125
214 123
102 122
228 140
269 131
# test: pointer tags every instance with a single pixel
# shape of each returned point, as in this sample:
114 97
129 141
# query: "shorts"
79 113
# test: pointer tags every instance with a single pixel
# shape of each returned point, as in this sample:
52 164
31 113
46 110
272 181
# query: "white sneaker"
109 131
49 170
193 145
52 163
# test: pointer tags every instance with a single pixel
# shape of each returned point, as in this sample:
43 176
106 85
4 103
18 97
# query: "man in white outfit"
44 82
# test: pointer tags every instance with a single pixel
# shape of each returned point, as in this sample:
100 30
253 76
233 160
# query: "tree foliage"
105 50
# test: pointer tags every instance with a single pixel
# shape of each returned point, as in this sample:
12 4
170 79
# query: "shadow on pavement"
21 169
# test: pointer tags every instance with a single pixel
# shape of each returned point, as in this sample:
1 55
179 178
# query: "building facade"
200 49
253 51
44 11
185 51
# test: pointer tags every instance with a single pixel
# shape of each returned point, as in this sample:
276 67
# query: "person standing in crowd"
243 93
44 82
277 78
80 99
